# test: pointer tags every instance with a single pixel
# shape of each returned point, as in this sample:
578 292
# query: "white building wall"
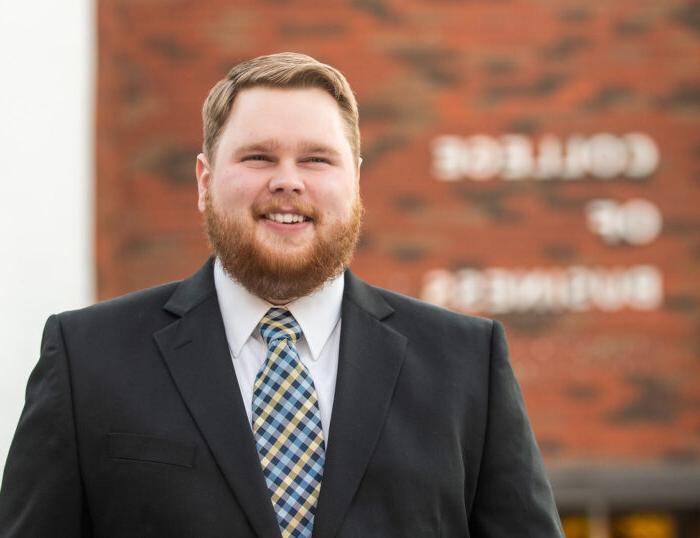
47 54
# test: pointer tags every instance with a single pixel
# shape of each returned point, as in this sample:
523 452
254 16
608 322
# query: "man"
274 393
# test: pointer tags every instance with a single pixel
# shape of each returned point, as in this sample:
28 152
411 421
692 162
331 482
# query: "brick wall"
615 383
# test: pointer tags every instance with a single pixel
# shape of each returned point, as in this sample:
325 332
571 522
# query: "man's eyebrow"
316 147
272 145
264 146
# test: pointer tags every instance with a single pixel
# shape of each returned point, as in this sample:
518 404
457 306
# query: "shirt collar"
317 313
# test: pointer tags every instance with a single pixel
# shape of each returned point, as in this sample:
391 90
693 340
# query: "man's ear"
203 171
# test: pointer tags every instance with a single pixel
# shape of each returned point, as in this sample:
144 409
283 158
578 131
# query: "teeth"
285 218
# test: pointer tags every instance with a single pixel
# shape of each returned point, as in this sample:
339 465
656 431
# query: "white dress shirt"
318 315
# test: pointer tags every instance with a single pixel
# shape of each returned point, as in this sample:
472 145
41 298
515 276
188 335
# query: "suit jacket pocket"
135 447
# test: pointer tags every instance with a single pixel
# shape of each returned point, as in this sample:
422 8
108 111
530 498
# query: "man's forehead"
267 95
266 107
296 119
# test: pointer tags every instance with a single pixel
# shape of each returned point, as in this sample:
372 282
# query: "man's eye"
318 160
256 158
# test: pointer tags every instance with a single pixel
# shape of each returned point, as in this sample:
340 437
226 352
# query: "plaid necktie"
287 427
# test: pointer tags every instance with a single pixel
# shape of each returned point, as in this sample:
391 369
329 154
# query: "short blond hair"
281 70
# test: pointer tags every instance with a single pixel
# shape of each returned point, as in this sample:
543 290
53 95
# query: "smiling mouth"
287 218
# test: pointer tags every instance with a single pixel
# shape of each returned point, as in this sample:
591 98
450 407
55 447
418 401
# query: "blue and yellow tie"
287 427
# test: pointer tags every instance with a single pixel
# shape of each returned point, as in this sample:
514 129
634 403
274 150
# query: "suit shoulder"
431 314
131 305
433 331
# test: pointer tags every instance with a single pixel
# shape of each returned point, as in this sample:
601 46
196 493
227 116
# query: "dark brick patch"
403 111
171 163
531 323
631 27
581 392
654 401
366 241
382 110
689 16
565 48
526 125
546 85
686 95
681 455
313 30
681 226
133 248
409 203
681 302
606 97
695 152
408 252
560 252
575 15
466 263
381 147
170 48
435 64
377 8
551 195
543 86
131 80
499 66
550 446
492 203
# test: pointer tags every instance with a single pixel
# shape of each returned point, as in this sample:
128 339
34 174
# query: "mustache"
288 203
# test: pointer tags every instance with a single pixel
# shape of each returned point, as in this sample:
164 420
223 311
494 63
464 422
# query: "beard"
267 270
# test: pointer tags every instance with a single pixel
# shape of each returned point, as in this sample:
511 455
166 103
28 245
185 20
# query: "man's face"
281 199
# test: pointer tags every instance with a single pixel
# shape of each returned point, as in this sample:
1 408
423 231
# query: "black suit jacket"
134 427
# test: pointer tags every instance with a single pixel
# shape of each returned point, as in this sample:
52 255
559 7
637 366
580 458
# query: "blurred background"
535 161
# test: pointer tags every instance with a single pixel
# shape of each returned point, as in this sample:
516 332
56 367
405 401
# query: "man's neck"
279 302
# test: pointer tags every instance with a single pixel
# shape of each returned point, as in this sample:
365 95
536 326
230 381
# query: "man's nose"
287 178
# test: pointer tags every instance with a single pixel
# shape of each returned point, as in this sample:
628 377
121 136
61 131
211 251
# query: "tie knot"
279 324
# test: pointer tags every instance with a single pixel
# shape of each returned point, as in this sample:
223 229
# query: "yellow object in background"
644 525
575 526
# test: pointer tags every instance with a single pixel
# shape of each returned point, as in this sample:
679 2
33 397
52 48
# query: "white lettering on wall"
516 157
575 289
636 222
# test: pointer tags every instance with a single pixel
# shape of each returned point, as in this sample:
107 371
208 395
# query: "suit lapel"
197 355
371 355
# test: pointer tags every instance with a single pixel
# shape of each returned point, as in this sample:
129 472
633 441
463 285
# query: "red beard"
277 276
